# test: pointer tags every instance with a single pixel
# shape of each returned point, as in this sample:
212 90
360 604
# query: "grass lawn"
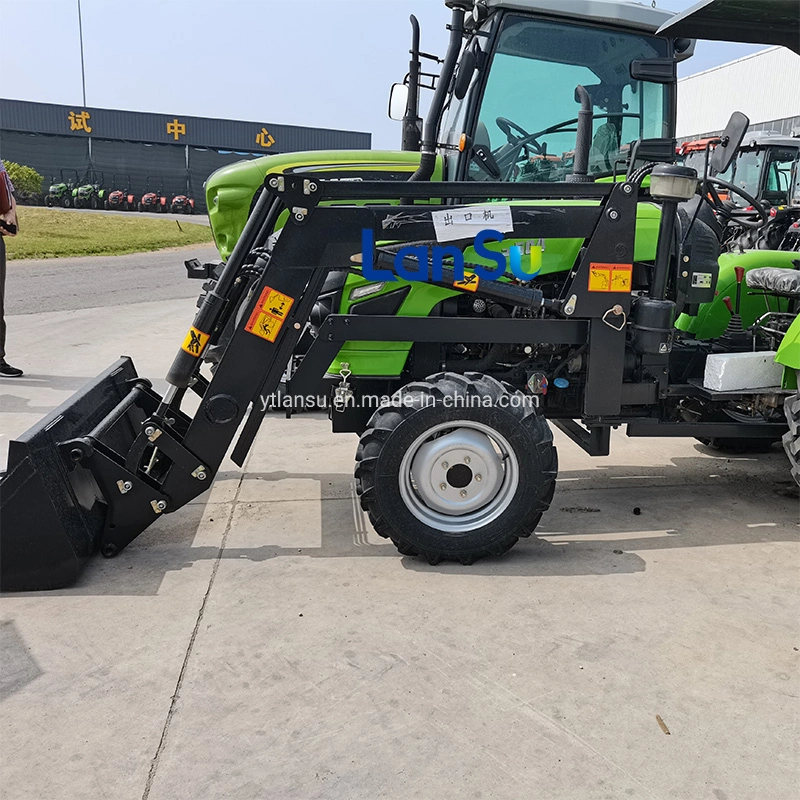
55 233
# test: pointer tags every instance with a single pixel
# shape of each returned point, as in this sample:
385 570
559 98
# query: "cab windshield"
528 112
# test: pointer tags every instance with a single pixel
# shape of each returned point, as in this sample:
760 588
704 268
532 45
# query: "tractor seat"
785 282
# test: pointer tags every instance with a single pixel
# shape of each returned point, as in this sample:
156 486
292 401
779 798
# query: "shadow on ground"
600 523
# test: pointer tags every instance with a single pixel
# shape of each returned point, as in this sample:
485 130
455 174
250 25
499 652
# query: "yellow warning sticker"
277 304
470 282
265 326
195 342
610 277
268 315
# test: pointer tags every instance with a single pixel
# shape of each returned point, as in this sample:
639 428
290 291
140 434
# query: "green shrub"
26 180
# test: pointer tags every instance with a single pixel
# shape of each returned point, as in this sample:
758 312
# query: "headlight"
365 291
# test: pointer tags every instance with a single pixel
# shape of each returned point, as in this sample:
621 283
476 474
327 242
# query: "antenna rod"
83 70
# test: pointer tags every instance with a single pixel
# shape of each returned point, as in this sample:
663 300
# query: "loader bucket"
52 511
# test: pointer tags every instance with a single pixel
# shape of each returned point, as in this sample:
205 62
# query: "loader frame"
143 456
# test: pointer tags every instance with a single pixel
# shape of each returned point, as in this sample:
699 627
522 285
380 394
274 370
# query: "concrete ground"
264 643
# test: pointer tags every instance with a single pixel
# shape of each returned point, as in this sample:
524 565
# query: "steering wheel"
525 140
740 216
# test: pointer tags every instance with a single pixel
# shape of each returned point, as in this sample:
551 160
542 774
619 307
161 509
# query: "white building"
765 86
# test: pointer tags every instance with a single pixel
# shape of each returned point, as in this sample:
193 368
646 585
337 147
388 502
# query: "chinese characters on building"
79 121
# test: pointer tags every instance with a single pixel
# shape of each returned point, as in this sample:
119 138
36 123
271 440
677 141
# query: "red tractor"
117 199
154 201
182 204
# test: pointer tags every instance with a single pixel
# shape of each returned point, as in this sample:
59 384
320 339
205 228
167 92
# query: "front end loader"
527 275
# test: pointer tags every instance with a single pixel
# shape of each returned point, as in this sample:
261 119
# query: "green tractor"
91 193
532 259
60 192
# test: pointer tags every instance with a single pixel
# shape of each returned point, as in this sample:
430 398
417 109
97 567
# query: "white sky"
323 63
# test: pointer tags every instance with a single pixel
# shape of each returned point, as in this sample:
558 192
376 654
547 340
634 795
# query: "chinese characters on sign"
176 129
265 138
79 122
467 222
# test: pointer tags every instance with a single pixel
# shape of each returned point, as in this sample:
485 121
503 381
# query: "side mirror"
398 100
730 141
466 69
655 70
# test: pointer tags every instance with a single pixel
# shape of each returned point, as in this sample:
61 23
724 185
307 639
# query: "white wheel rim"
458 476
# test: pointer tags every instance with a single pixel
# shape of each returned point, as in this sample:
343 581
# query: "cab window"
528 112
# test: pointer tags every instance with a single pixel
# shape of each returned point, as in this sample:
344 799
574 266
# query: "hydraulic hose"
495 352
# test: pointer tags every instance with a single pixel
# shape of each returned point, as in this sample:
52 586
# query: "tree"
26 180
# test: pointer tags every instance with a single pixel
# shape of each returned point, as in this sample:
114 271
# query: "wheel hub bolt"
478 477
467 459
443 486
445 465
463 492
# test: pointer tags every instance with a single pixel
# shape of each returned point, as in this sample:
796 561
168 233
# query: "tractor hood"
765 22
230 191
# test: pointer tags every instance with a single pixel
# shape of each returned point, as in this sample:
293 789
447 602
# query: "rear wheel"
791 439
456 468
67 202
94 203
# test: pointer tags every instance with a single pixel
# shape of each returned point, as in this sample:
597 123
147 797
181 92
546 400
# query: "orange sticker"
268 315
470 282
610 277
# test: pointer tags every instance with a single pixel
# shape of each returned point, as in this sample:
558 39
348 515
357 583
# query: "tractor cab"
524 69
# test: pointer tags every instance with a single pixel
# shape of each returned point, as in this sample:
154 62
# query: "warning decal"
470 282
268 315
195 342
610 277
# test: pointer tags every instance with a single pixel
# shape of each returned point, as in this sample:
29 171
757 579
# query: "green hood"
230 191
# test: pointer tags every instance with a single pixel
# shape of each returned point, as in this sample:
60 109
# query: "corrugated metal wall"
118 165
223 134
764 86
138 151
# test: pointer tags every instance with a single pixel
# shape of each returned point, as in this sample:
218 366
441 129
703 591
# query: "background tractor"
91 193
182 204
60 193
541 262
117 195
155 201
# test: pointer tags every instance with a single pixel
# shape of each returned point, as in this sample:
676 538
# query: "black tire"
139 207
791 439
49 202
399 428
738 445
67 202
106 205
94 203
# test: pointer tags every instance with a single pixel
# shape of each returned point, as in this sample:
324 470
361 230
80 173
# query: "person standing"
8 227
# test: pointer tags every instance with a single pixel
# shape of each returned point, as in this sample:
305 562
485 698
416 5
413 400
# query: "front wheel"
456 467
